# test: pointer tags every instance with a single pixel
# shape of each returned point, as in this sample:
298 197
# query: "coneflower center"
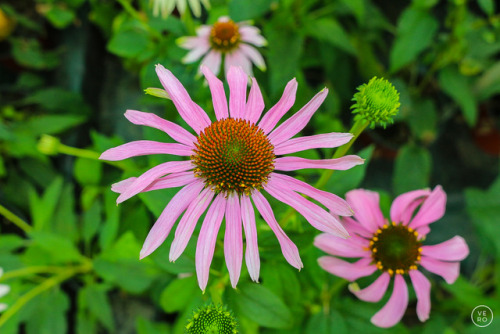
396 249
225 36
233 155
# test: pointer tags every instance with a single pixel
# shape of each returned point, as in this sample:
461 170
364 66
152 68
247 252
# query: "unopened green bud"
49 145
158 92
376 102
212 319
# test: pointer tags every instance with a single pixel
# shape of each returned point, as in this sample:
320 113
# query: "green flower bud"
376 102
212 319
49 145
158 92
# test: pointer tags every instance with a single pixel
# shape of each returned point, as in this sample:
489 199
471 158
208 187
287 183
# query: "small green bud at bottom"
212 319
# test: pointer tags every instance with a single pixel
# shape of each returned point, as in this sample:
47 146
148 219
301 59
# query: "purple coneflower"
229 39
393 248
230 162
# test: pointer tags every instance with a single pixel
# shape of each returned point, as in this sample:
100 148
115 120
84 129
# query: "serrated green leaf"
42 208
178 294
49 316
457 87
412 169
128 43
331 323
91 221
98 304
60 249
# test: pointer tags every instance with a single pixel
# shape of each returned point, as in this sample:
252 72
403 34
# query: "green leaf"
412 169
178 294
457 87
10 242
27 52
357 7
330 31
59 100
49 316
262 306
332 323
423 120
488 6
109 229
60 249
488 84
50 124
240 10
60 16
144 326
96 299
87 171
91 221
416 30
128 43
42 208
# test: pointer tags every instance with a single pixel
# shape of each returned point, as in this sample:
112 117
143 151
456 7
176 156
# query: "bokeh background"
70 68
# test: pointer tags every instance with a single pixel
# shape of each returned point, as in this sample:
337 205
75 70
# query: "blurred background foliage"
70 68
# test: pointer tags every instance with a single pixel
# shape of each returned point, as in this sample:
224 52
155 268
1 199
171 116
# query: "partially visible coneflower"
394 249
166 7
225 40
231 161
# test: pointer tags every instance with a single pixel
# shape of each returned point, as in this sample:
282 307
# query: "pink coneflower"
230 162
229 39
395 249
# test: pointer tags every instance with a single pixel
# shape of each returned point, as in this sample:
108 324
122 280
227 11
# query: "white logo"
482 316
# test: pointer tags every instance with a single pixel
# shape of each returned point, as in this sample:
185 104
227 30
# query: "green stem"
46 285
88 154
29 271
10 216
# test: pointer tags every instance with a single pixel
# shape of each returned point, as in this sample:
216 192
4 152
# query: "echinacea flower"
231 161
394 250
229 39
4 289
166 7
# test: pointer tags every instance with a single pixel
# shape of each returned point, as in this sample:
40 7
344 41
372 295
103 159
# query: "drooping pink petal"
212 60
189 111
207 239
168 217
347 270
454 249
144 147
366 208
422 288
298 121
255 103
252 249
432 209
197 52
447 270
169 181
354 227
254 55
203 31
191 42
294 163
404 205
341 247
188 222
334 203
238 59
218 93
272 117
237 80
151 175
315 215
288 248
175 131
375 291
252 35
325 140
395 308
233 242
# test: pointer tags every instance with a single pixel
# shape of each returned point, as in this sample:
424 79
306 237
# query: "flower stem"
15 219
88 154
29 271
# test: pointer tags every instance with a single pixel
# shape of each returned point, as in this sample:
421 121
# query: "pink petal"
272 117
175 131
237 80
151 175
375 291
197 52
333 139
347 270
212 61
341 247
454 249
422 288
145 147
334 203
393 311
207 239
191 42
315 215
172 211
204 31
233 243
404 205
298 121
252 35
252 249
169 181
218 94
355 227
254 56
288 248
366 208
294 163
188 222
447 270
255 103
238 59
431 210
189 111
